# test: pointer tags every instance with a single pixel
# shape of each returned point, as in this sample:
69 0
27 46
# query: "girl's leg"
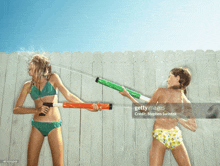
157 152
181 156
34 146
56 146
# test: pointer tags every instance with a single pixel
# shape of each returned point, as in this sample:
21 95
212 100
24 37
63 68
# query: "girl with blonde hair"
43 89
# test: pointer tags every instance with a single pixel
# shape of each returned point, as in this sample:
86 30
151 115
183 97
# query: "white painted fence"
110 137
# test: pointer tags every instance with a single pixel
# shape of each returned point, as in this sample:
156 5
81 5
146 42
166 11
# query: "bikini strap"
182 92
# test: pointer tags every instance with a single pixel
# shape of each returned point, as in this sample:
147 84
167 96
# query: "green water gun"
119 88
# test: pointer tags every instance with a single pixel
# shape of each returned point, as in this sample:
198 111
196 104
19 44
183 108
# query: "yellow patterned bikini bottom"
170 138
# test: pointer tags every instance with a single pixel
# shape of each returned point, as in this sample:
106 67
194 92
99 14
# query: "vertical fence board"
74 116
198 145
108 116
3 67
96 117
119 133
129 122
216 133
7 106
17 145
65 75
142 131
86 121
208 135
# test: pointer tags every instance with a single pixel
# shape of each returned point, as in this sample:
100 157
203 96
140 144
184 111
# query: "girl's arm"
69 96
18 109
126 94
191 122
153 99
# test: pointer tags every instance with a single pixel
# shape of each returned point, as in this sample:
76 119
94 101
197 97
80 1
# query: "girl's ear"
178 78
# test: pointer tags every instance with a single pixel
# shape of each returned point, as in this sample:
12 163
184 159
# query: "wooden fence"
110 137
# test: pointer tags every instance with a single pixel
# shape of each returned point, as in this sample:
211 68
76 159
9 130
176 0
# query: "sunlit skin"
167 95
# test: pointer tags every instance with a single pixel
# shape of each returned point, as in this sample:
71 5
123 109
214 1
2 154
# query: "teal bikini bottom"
46 127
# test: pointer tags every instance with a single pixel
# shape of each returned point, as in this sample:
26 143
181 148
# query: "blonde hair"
42 67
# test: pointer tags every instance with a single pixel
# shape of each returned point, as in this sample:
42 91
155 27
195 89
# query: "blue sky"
116 25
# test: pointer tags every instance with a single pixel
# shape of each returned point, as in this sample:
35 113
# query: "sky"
109 25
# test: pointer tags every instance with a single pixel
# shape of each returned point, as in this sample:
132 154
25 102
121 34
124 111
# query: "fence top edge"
112 52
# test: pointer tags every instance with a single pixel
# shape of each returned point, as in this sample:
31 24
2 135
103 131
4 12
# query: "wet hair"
42 67
185 77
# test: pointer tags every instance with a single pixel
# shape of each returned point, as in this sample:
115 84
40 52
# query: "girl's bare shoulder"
54 80
168 91
163 91
27 86
28 83
54 76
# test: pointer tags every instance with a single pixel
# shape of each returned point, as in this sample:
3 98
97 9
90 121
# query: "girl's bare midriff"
165 123
168 96
53 115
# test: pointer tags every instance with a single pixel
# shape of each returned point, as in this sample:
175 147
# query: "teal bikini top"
46 91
